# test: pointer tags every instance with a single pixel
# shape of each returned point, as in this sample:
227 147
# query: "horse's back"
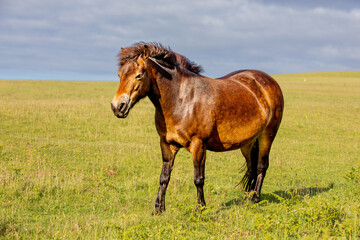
249 76
257 80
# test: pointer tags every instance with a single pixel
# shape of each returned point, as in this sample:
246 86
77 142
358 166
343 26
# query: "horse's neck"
164 93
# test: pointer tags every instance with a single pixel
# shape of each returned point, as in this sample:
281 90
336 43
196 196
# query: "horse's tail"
249 179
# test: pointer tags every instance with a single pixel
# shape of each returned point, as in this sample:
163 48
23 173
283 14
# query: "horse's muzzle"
121 108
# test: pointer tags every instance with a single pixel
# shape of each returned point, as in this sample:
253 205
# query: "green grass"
69 169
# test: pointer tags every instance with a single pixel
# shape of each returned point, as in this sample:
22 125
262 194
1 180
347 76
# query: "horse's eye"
139 76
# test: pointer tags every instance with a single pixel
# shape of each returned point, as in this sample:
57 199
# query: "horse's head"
134 85
135 64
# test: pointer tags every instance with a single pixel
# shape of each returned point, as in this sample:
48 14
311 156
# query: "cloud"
66 39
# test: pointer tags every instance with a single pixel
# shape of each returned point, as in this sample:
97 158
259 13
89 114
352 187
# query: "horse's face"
134 85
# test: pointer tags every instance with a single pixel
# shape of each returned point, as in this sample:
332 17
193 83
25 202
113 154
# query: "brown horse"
240 110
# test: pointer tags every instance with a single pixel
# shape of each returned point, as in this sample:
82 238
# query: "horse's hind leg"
250 152
265 141
257 160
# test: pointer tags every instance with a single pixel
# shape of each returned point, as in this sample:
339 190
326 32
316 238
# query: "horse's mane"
158 51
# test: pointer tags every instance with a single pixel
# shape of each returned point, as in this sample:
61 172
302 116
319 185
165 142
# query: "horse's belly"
221 147
233 135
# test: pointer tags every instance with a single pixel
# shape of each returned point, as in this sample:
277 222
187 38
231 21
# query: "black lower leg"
254 165
261 172
164 181
168 153
199 156
199 183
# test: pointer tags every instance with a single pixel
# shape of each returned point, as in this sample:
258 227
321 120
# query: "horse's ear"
170 58
167 69
146 51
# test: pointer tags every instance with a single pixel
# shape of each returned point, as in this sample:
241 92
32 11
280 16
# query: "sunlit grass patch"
70 169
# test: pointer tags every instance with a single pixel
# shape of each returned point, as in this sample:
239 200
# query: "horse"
242 110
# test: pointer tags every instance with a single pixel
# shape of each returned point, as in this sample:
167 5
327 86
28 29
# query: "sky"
80 39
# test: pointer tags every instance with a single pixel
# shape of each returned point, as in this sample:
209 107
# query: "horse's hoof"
199 208
255 198
156 212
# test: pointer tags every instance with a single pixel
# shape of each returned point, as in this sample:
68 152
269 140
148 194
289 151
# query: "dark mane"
158 51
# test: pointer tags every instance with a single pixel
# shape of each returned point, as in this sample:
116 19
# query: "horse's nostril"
122 106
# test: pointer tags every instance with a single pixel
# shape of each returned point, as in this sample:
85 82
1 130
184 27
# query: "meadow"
69 169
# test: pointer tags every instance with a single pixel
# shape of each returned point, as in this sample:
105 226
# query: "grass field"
69 169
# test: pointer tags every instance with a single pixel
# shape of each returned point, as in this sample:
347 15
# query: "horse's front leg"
198 150
168 155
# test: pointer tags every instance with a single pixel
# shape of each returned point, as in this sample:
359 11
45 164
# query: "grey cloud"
67 39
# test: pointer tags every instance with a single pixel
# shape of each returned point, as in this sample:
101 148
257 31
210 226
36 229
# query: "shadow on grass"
275 197
302 192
